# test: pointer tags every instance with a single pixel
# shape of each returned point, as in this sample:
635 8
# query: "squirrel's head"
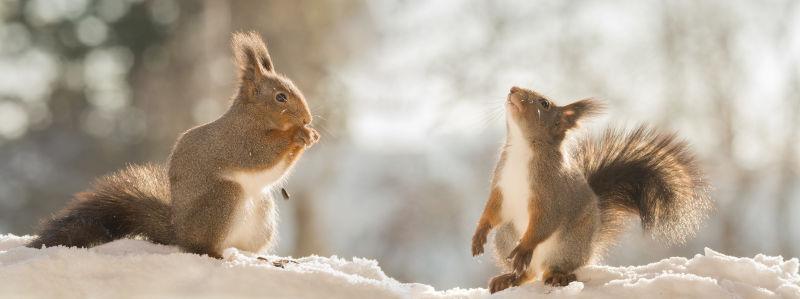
263 93
539 119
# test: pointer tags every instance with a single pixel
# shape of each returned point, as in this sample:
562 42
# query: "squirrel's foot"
479 240
521 258
558 279
502 282
307 136
281 263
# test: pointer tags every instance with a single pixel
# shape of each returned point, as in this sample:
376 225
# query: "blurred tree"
86 119
192 78
89 85
129 76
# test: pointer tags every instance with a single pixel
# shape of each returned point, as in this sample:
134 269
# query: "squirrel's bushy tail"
646 173
133 201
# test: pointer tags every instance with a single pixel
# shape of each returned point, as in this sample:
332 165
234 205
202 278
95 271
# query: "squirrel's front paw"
479 240
521 258
306 136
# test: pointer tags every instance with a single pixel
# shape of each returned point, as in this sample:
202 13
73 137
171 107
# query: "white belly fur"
254 220
514 180
514 184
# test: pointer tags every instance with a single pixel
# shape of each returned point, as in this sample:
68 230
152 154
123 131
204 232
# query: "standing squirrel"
558 207
210 195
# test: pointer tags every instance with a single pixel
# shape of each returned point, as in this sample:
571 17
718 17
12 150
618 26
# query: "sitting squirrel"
209 197
557 208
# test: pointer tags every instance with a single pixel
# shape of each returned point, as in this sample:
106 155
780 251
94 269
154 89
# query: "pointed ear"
572 113
252 57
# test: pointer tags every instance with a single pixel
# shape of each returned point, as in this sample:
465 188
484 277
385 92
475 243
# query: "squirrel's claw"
559 279
313 135
477 247
306 136
521 258
502 282
479 241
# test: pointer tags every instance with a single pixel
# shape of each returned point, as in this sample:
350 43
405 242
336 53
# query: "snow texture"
136 268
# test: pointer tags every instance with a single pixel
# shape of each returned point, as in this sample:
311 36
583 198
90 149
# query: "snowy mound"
134 268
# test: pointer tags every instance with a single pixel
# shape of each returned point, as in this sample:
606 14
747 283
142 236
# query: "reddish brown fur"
489 219
507 280
491 213
587 193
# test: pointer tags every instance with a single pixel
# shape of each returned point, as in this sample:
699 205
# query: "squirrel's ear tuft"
572 113
252 57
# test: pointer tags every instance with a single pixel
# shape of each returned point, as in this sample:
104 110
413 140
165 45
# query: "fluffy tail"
133 201
646 173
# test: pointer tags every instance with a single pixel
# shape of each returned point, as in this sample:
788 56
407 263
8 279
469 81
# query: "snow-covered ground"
135 268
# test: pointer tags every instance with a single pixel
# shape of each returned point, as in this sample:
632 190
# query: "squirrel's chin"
514 104
512 110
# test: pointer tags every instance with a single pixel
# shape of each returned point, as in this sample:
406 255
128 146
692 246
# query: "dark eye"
545 104
280 97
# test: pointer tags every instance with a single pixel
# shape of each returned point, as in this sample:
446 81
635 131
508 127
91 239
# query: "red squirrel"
210 196
558 207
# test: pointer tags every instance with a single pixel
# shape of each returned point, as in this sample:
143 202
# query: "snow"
136 268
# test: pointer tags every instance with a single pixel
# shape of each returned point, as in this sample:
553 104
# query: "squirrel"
558 206
210 196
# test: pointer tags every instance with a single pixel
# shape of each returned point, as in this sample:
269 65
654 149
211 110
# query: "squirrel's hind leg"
575 251
559 270
505 239
558 279
202 226
507 280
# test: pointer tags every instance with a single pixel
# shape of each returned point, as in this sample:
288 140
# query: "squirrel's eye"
280 97
545 104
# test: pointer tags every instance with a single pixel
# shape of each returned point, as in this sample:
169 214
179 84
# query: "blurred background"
408 97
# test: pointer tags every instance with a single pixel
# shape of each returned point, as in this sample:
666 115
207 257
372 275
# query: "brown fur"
647 173
583 195
192 203
558 278
489 219
507 280
130 202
